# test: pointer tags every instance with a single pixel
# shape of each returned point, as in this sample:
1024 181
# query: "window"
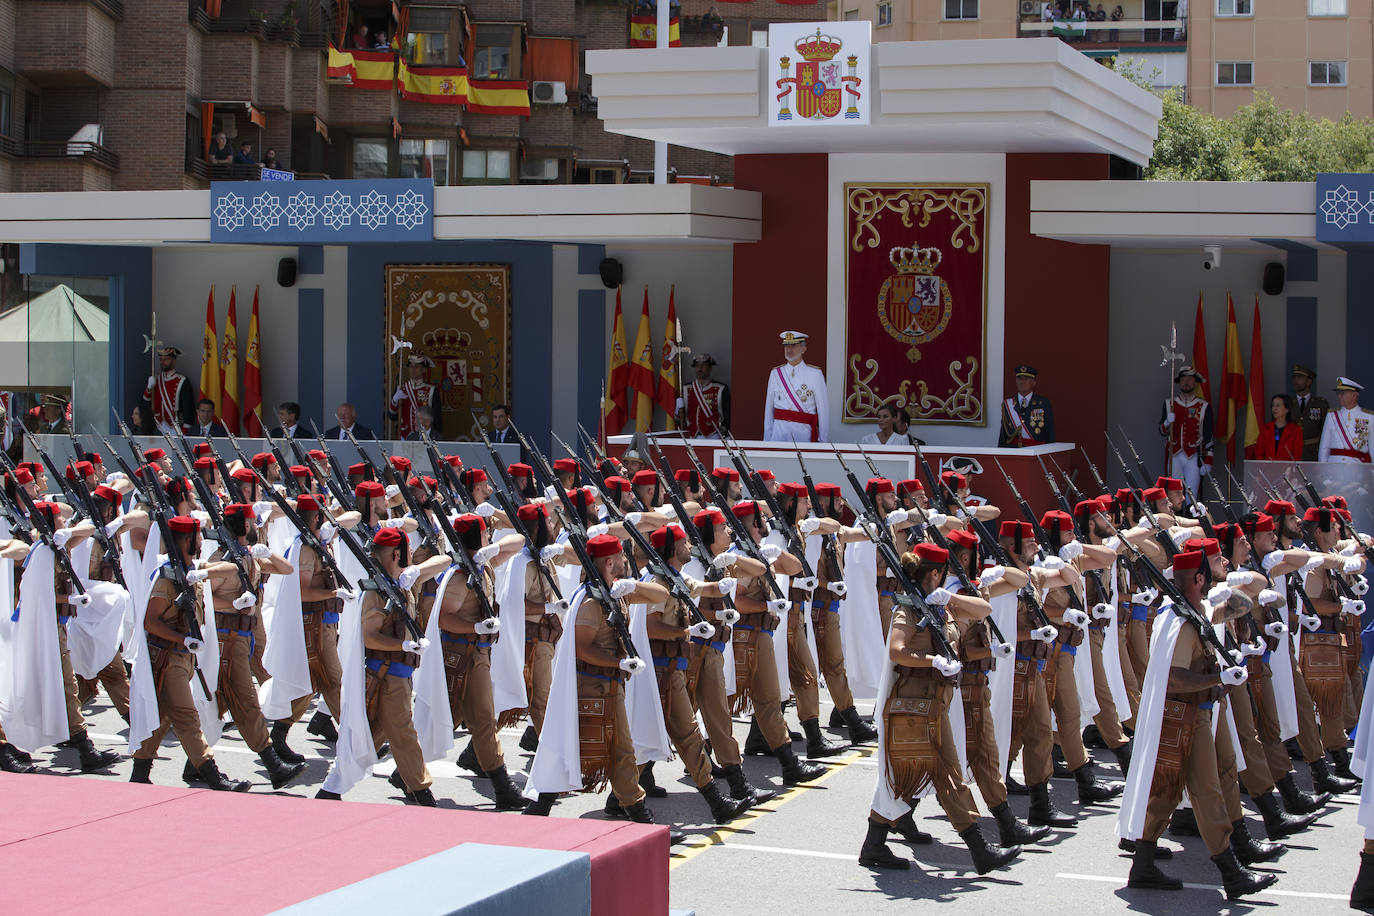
424 159
1326 73
6 112
1235 73
496 56
369 158
759 37
961 9
1235 8
851 15
885 13
432 37
487 166
1326 7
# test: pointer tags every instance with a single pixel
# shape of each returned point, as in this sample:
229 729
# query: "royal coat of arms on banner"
821 69
916 301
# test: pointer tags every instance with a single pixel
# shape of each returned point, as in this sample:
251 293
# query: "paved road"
798 854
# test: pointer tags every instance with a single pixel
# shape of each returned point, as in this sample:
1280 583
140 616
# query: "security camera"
1211 256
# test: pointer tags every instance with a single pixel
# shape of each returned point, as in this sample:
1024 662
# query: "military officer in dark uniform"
1310 410
1027 417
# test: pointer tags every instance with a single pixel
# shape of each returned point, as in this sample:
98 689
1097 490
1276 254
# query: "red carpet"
71 845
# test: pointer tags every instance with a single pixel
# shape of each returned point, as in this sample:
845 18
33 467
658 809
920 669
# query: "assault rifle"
796 545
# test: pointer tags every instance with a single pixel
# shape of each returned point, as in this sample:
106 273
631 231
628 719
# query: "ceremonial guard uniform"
706 401
168 394
1345 435
412 394
1309 411
1187 424
1027 417
796 405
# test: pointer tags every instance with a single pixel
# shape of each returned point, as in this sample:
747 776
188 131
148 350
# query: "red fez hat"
582 497
645 478
1334 502
300 470
307 501
911 485
1210 546
1012 528
238 509
880 485
565 465
454 461
33 467
84 468
46 508
420 481
725 473
1123 495
360 468
467 522
1345 514
963 538
262 459
1154 494
765 474
317 454
95 458
201 448
1055 520
245 474
204 464
154 454
603 545
1259 523
954 480
792 489
1319 514
683 474
388 537
708 516
22 476
659 537
401 463
107 493
183 524
471 477
1187 559
369 489
1088 507
618 483
520 470
745 508
930 553
531 512
827 489
1169 484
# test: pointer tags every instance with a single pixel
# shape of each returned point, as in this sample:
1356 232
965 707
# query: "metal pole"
661 147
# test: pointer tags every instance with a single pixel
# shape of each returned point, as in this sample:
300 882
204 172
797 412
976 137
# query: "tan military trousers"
177 708
681 722
1204 793
393 722
624 770
707 667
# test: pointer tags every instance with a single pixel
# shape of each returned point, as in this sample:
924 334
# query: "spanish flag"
640 378
644 32
252 377
373 69
669 385
503 97
1232 385
229 370
211 373
1255 407
436 85
340 65
615 405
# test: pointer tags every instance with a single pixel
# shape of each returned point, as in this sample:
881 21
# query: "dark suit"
216 430
360 432
416 437
302 432
506 435
1312 417
1037 419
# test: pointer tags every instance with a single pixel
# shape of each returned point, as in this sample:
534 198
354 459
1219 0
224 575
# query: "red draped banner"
916 302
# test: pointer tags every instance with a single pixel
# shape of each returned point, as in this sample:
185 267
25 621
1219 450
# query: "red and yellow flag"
252 377
436 85
641 377
615 405
1200 353
1255 407
1232 384
669 385
373 69
229 370
211 375
644 32
340 65
505 97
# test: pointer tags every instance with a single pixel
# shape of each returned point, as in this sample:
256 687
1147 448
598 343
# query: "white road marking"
806 853
1270 892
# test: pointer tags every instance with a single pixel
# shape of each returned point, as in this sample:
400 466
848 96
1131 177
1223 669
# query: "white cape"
1281 667
6 637
354 753
93 636
1130 822
1000 680
1362 761
285 657
1111 645
38 701
643 707
508 655
861 635
557 765
780 634
433 713
144 715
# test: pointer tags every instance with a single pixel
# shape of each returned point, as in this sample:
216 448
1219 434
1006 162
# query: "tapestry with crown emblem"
457 315
916 301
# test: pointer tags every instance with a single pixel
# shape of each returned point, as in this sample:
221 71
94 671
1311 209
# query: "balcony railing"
199 168
1145 31
59 149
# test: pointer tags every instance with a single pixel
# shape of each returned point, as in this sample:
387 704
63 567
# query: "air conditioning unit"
539 169
228 125
548 92
1029 7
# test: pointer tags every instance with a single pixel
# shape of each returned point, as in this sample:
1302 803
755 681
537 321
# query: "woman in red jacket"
1279 440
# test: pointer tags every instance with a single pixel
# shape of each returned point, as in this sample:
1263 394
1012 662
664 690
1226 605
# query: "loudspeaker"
286 272
612 273
1273 278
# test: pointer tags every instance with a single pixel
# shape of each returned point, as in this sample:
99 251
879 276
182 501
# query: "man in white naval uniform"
796 406
1345 437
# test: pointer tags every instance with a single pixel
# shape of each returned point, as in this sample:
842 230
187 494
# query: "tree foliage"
1261 142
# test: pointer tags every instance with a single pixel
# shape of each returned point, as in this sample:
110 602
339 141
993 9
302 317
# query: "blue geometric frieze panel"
1345 207
322 212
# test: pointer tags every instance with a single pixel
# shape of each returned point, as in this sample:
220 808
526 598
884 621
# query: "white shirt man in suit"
289 418
206 425
346 418
500 425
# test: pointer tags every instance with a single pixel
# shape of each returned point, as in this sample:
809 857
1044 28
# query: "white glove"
61 536
412 646
896 517
1351 606
553 607
112 479
262 507
679 405
487 626
201 516
1168 420
246 600
1276 630
259 551
1271 559
936 519
79 599
1102 611
1360 585
1268 596
809 524
869 529
778 605
992 574
727 584
345 594
945 666
622 587
196 576
1309 622
485 555
551 493
939 597
1314 562
1051 564
724 560
1181 537
1233 676
728 616
552 552
408 576
327 532
1197 510
484 510
392 491
1113 544
1256 648
598 529
770 552
632 665
1077 618
838 589
1348 550
1240 578
805 583
192 644
1351 566
1218 595
113 527
1070 551
702 630
1145 596
1045 634
1003 650
634 518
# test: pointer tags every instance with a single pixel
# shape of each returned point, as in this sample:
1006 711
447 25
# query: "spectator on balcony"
1117 15
359 38
380 42
220 153
245 154
711 20
269 159
1181 14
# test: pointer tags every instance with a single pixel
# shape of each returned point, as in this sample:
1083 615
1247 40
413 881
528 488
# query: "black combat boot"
874 852
1277 824
468 761
422 799
1091 790
1014 787
1323 780
860 732
1236 879
280 730
835 720
639 813
723 810
613 809
755 745
1011 832
214 779
795 771
817 745
279 771
542 805
1145 873
1250 850
1183 823
1123 758
646 782
506 796
795 736
143 771
1341 757
11 762
322 727
742 790
1061 766
327 795
1092 738
986 856
529 741
1128 846
905 827
92 760
1362 893
1042 810
190 775
1296 801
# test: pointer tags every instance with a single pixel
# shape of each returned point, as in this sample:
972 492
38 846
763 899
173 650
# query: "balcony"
60 165
84 150
1089 37
203 171
66 44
